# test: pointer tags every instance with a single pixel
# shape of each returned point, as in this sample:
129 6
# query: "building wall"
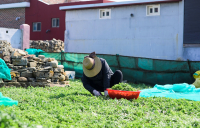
192 53
192 22
159 37
8 17
41 12
12 1
14 36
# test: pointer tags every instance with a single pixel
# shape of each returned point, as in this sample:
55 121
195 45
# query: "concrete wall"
14 36
159 37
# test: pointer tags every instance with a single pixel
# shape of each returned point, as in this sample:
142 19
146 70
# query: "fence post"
62 57
25 36
117 56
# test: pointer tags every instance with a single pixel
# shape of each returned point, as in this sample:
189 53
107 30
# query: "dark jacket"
101 81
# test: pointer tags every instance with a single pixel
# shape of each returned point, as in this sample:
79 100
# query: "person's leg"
116 78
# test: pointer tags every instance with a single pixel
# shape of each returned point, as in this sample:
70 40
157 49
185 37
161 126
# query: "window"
153 10
55 22
37 26
105 13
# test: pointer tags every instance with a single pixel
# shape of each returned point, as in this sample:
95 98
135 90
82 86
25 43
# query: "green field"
75 107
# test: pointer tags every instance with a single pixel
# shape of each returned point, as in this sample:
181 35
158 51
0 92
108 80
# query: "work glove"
96 93
106 93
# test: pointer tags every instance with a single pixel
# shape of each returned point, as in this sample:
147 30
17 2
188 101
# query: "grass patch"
75 107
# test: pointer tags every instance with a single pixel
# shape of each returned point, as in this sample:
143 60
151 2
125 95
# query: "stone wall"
28 70
48 45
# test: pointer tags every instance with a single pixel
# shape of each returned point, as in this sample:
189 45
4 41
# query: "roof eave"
113 4
15 5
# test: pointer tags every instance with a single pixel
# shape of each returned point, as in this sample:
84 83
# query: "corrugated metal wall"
159 37
192 22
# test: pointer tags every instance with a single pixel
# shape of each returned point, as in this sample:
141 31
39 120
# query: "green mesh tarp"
134 69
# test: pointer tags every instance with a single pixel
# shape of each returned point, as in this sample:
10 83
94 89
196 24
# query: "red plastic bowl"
123 94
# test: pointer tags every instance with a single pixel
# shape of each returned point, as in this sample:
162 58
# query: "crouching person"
97 75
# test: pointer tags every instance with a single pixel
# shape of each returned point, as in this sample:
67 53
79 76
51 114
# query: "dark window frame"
57 23
37 27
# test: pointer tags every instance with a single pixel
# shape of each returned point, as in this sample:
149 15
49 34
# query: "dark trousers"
116 78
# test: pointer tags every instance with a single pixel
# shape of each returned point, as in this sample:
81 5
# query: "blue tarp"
33 51
4 70
5 74
175 91
7 101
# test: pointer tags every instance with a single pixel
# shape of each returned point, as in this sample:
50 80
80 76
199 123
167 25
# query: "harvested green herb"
124 87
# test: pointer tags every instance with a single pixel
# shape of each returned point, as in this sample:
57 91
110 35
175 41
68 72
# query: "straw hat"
91 66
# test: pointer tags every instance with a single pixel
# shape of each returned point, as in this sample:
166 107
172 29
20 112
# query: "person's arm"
106 75
86 84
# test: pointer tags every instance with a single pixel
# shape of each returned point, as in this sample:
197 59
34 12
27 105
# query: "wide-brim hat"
95 70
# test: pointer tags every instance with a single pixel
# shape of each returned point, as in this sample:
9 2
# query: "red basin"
123 94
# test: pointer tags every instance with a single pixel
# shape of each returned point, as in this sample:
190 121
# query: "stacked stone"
5 50
29 70
48 45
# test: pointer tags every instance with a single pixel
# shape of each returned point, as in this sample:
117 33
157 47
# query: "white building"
159 29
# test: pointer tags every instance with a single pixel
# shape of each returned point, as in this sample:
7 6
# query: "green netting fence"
134 69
